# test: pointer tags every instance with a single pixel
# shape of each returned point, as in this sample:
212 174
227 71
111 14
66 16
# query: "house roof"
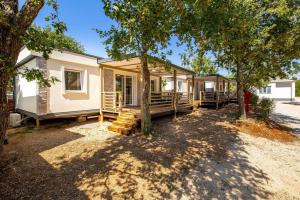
156 66
211 77
27 55
281 80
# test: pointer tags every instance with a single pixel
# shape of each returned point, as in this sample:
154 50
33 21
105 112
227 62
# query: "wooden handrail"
112 102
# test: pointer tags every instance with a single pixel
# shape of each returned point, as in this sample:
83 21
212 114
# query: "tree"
15 32
50 39
255 40
143 27
204 66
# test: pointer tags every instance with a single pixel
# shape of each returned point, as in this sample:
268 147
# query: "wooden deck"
215 98
161 103
155 112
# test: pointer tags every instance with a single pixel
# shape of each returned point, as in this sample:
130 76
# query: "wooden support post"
193 90
101 117
217 93
37 122
175 91
228 91
160 84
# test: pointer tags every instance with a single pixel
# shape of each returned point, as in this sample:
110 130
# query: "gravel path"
195 156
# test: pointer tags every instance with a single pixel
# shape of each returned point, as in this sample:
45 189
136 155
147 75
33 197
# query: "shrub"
266 107
297 88
254 101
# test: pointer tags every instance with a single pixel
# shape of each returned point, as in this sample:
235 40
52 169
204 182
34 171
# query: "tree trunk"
240 93
10 46
3 107
145 110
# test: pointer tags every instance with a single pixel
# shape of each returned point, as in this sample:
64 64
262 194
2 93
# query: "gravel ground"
194 156
288 113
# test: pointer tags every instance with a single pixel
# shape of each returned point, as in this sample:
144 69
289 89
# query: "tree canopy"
203 66
256 40
16 30
143 27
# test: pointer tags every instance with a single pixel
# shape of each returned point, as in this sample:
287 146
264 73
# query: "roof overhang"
156 66
212 77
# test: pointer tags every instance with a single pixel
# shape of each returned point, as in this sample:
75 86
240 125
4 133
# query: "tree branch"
28 13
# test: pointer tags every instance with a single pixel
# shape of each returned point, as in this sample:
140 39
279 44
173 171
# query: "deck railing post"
120 103
200 98
193 90
217 100
101 95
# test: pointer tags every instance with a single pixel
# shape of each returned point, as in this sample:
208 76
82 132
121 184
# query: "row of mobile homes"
90 85
212 89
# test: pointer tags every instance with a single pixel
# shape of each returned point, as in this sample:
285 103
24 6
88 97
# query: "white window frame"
265 91
181 89
83 80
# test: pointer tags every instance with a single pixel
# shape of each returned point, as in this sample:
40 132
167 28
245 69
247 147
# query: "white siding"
170 84
61 101
26 92
280 90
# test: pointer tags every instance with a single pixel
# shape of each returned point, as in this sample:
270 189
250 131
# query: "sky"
84 16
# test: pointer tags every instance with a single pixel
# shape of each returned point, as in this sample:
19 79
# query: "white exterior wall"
60 100
26 92
156 79
280 91
170 84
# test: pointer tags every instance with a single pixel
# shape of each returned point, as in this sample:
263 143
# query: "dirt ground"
201 155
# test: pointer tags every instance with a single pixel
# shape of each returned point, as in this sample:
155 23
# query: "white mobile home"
91 85
278 90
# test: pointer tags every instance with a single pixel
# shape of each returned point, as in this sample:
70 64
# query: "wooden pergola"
159 101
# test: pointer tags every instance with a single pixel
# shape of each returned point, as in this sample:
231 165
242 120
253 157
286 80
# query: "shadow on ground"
192 157
286 119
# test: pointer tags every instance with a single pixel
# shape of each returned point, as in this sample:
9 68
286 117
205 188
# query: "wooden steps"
125 124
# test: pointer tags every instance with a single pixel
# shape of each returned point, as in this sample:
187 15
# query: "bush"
254 101
297 88
265 107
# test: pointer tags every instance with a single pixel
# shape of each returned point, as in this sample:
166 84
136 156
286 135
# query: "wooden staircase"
125 123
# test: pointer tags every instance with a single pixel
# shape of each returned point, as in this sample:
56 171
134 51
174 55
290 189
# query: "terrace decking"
127 118
161 103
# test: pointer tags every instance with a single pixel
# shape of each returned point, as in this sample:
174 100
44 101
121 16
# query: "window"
152 85
265 90
73 80
179 86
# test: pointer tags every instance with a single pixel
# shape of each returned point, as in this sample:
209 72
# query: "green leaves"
38 75
260 37
46 40
204 66
142 26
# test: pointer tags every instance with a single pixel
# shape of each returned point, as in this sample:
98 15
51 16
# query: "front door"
124 86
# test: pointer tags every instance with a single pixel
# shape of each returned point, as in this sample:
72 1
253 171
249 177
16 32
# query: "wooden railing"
161 99
184 98
213 96
111 102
